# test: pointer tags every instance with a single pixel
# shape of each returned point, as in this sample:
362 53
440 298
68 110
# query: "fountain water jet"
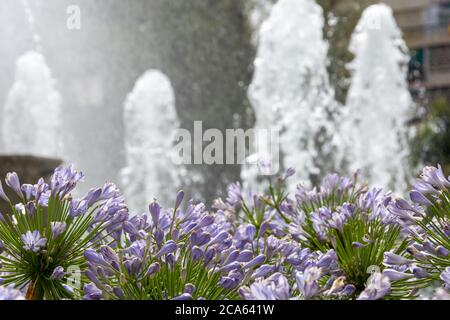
32 24
290 90
378 102
31 116
150 125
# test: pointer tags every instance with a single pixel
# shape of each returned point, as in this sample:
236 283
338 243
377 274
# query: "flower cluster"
428 219
46 232
168 254
340 240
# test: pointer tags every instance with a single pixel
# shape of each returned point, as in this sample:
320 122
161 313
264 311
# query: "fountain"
31 116
30 121
151 122
378 102
290 91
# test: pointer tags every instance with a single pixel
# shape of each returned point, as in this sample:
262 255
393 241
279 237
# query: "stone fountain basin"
29 168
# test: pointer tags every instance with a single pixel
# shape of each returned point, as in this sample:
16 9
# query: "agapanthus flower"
58 228
64 180
434 177
3 194
33 241
395 259
308 282
8 293
91 292
378 286
58 273
445 276
276 287
12 181
395 275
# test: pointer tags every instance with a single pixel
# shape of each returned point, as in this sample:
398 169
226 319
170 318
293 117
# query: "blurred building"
426 28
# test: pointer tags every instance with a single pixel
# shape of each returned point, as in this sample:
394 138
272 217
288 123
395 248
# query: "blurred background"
207 50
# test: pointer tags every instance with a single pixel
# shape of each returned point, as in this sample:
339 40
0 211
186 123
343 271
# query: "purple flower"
42 193
348 290
29 191
209 255
395 275
169 247
189 288
118 291
12 181
152 269
394 259
33 241
200 238
30 208
58 273
419 198
445 276
420 273
8 293
220 237
231 266
404 211
78 207
3 194
276 287
255 261
357 245
58 227
337 286
435 177
250 231
184 296
205 221
245 256
234 196
288 173
95 258
179 199
128 227
307 281
262 271
228 282
155 211
378 286
442 252
91 292
109 254
93 196
197 253
109 191
232 256
64 180
337 221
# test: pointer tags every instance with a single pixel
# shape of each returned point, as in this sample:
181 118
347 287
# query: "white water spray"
290 90
32 24
150 124
378 102
31 116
